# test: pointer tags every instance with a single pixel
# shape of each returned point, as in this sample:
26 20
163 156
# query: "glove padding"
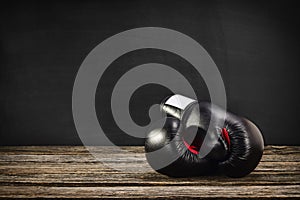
170 138
242 140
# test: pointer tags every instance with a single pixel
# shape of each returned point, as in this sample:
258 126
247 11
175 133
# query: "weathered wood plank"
152 192
110 158
147 180
130 157
44 168
72 172
75 150
66 150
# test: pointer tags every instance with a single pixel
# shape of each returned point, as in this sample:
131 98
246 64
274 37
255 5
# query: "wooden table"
72 172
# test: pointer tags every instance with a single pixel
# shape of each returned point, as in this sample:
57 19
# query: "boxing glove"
166 144
207 139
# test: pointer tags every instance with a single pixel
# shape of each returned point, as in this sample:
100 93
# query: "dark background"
254 44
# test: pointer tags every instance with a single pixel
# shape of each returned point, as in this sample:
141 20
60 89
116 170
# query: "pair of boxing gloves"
199 138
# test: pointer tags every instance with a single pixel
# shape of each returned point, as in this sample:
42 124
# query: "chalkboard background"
43 43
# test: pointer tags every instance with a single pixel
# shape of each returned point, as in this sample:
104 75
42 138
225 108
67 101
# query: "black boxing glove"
210 137
169 146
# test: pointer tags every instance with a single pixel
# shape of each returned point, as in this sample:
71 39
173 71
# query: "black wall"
254 44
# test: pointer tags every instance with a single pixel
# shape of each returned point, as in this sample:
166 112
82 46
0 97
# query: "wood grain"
72 172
